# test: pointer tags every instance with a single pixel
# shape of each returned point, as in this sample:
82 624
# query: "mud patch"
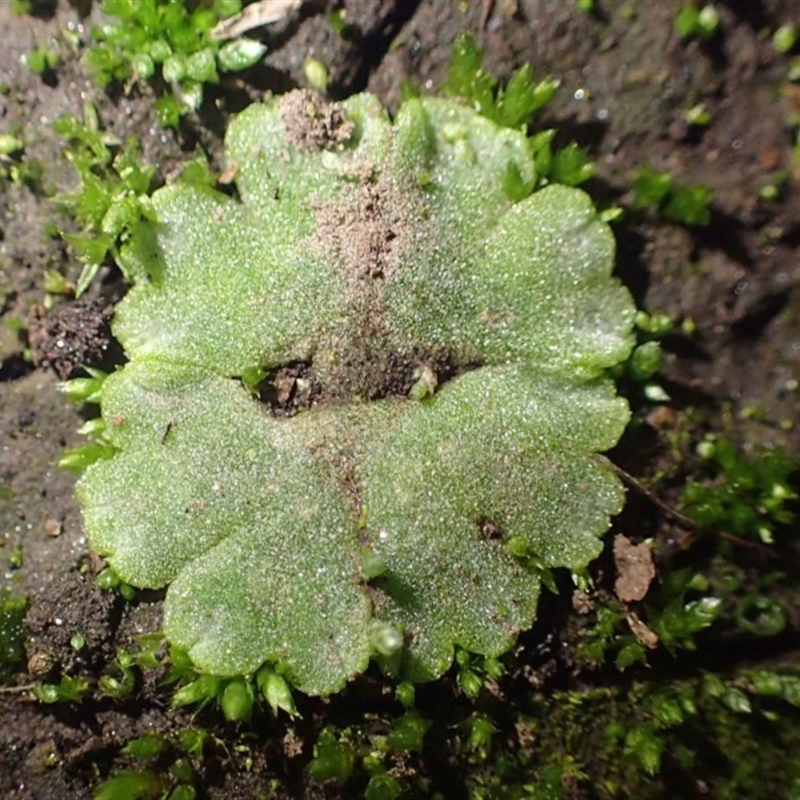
290 389
71 607
311 123
366 235
489 530
73 335
297 387
365 238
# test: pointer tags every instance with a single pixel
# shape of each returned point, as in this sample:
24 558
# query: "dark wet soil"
69 336
626 82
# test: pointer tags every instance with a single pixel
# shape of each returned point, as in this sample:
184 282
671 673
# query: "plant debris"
635 569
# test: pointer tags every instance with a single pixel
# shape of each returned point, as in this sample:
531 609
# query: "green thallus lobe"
435 357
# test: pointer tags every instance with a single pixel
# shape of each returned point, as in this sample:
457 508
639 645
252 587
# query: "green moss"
650 740
162 39
12 615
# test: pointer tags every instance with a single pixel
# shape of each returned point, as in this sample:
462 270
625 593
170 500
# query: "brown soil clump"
71 336
313 124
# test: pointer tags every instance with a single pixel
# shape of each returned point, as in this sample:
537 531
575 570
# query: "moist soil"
732 366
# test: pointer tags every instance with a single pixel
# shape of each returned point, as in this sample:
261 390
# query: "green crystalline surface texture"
458 343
